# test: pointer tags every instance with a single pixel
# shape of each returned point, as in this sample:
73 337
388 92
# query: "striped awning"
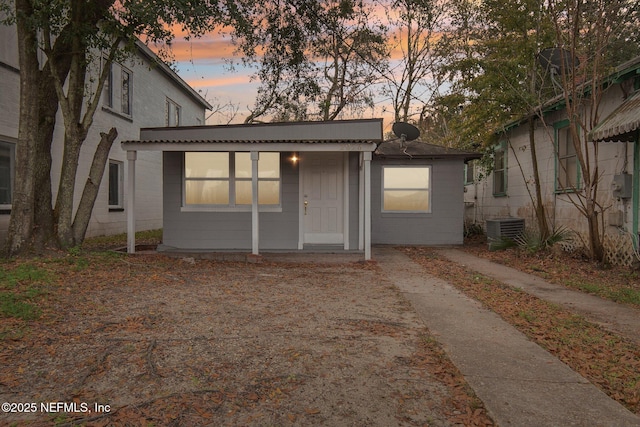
622 124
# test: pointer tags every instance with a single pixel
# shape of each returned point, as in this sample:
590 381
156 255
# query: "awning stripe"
622 121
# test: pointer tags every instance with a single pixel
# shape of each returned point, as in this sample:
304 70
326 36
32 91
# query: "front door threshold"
323 248
324 238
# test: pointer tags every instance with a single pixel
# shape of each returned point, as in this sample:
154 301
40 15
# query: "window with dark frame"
115 184
108 87
126 92
500 171
7 159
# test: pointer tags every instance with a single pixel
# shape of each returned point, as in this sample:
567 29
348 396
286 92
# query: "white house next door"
322 197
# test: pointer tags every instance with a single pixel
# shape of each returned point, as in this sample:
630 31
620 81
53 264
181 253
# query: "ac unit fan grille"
502 228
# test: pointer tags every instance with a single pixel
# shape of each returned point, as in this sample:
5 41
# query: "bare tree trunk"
541 214
66 189
44 233
91 187
595 242
21 223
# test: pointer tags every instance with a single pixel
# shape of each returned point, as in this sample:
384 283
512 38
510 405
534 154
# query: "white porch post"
367 206
131 197
255 156
361 203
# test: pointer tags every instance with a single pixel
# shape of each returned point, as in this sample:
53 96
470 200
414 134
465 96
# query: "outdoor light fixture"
294 158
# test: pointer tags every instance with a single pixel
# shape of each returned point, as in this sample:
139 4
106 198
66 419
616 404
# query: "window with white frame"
567 171
406 189
224 179
172 113
500 170
115 184
7 162
119 86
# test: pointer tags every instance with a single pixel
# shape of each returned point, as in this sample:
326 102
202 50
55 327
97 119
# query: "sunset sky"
204 63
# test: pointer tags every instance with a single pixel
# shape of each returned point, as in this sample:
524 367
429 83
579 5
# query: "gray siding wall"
443 226
227 230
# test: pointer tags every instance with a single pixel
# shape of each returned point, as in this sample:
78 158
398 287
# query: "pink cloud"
219 81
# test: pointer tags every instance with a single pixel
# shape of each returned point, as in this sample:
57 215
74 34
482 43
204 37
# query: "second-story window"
118 90
126 92
172 113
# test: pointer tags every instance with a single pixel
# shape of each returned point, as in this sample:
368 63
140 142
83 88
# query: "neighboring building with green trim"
508 191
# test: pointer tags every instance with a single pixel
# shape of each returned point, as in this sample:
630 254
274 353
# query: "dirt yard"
150 340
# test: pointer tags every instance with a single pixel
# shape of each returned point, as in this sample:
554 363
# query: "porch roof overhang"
343 135
223 145
622 124
398 149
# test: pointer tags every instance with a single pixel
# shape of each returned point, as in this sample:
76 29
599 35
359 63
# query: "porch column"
255 156
367 205
131 196
361 202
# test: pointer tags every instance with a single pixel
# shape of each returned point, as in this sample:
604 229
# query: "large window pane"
243 193
206 165
406 177
406 200
269 165
268 193
243 165
406 189
202 192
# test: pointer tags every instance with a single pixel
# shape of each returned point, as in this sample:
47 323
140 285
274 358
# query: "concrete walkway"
617 318
520 383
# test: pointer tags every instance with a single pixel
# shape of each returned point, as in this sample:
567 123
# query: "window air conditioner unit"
500 228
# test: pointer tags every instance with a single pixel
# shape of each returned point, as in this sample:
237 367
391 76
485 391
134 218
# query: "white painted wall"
614 158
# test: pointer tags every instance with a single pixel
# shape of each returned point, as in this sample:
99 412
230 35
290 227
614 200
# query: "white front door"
322 197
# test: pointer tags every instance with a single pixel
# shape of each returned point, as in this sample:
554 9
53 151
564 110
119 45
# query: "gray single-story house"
301 185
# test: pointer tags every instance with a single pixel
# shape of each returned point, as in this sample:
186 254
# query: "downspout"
636 189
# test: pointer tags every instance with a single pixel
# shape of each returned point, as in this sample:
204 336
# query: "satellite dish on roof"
556 59
405 131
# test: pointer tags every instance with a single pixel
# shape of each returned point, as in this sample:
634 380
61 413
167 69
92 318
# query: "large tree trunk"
540 211
100 158
66 189
21 223
596 245
44 233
